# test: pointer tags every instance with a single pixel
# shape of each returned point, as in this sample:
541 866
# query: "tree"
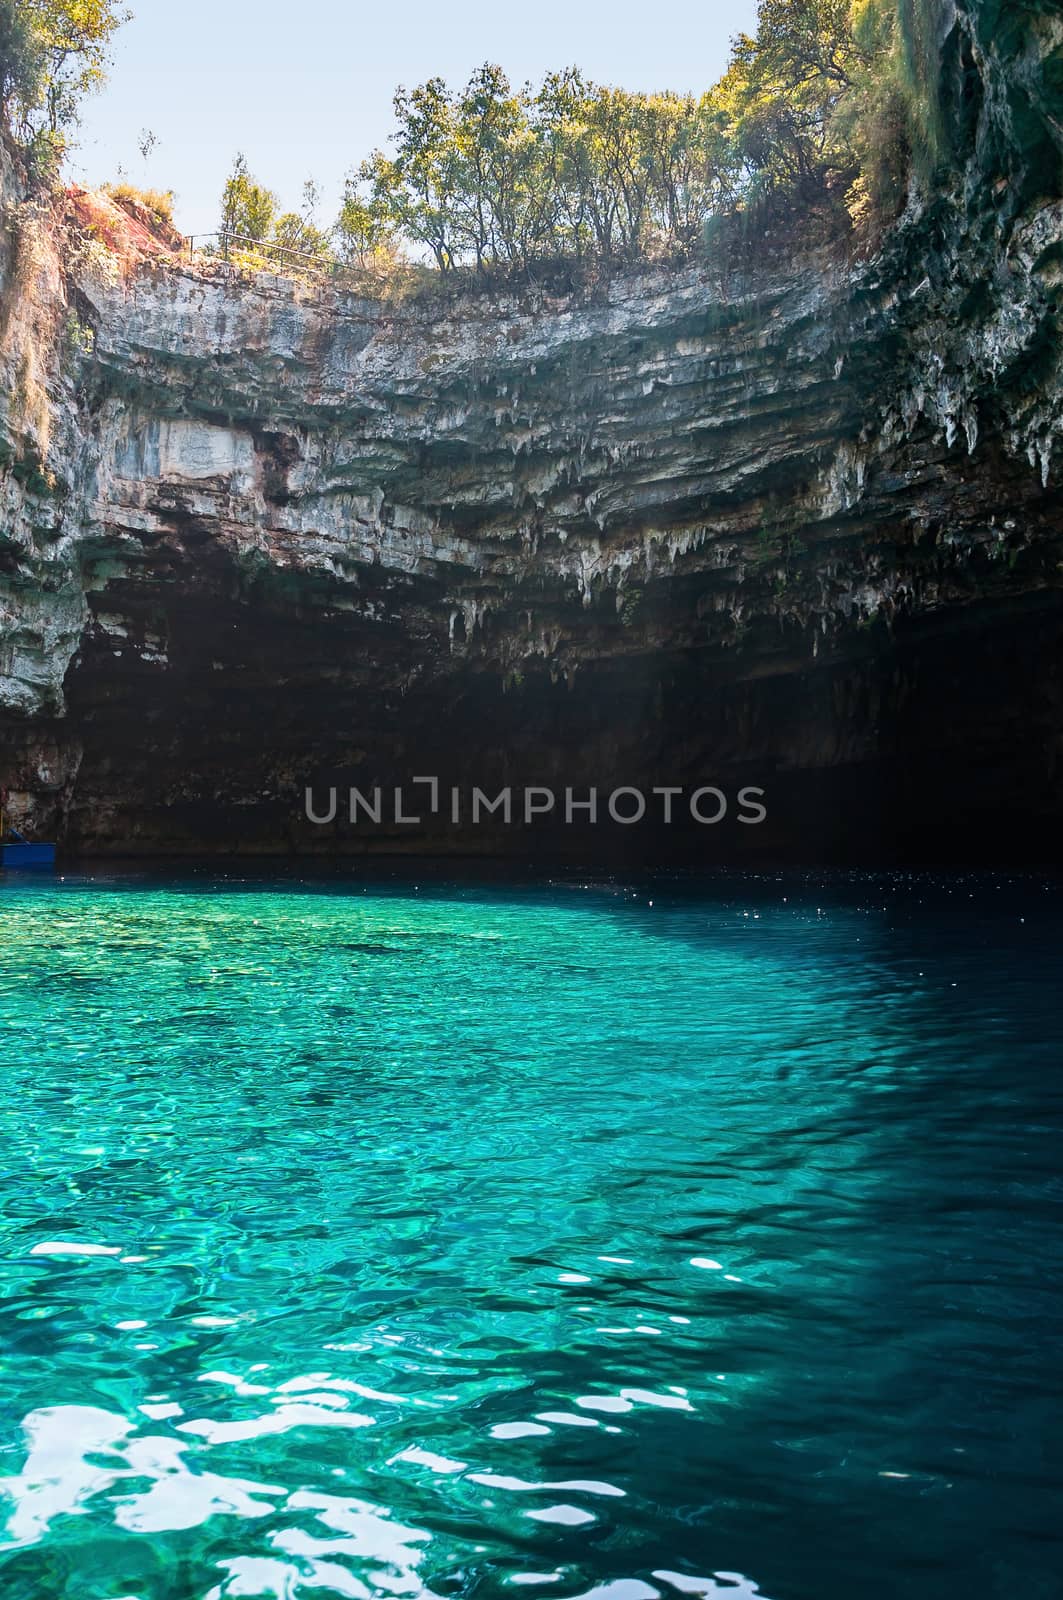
419 189
298 230
690 166
813 98
364 231
560 117
52 53
253 226
496 167
21 64
247 209
813 108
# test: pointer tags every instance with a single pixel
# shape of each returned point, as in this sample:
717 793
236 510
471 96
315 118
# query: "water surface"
589 1238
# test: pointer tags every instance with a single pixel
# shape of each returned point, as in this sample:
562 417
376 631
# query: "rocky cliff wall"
794 527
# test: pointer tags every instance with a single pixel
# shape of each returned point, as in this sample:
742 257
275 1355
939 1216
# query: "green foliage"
822 103
886 119
824 98
52 53
247 209
855 82
79 338
21 62
826 110
778 98
417 193
917 67
292 232
495 176
255 232
364 233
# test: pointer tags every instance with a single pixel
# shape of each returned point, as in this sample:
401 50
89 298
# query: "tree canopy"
826 102
815 105
52 53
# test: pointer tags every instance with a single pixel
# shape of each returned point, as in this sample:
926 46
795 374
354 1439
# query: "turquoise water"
380 1240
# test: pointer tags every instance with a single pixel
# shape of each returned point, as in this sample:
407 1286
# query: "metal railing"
262 247
366 280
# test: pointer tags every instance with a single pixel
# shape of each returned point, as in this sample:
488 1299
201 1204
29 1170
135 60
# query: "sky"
304 87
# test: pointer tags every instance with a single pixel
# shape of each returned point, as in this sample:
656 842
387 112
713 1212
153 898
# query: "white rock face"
184 450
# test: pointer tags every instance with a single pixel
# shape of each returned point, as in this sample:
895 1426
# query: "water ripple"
433 1243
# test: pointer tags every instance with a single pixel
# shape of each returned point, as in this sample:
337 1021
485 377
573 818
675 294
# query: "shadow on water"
895 1428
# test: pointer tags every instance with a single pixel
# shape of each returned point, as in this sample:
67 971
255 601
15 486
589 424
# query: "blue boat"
18 854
